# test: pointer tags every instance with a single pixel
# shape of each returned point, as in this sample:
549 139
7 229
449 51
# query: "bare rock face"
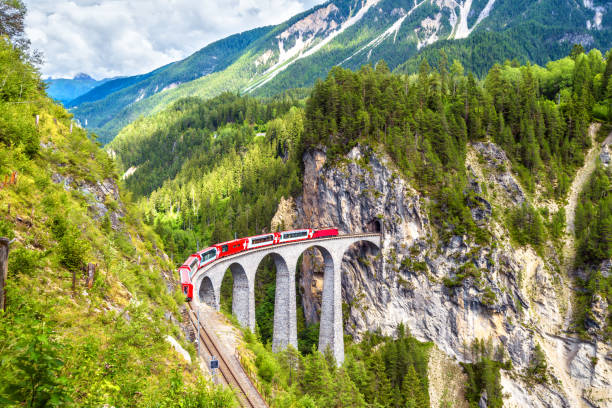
496 158
284 219
452 292
99 196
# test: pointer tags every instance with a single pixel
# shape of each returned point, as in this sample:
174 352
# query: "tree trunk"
91 275
4 251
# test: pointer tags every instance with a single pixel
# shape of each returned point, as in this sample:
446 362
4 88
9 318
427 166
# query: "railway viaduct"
243 266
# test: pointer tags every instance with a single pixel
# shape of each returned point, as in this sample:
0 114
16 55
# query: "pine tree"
412 390
380 388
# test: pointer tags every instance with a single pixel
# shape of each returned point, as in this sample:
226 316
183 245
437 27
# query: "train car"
186 285
217 251
330 232
292 236
231 247
260 241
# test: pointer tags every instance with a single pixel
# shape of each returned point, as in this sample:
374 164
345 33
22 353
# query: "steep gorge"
515 299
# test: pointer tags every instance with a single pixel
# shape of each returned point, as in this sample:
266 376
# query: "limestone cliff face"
511 298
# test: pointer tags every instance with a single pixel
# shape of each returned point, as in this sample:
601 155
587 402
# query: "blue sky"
107 38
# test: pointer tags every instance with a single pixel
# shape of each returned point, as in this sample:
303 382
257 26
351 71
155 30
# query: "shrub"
537 370
7 229
58 227
73 250
23 261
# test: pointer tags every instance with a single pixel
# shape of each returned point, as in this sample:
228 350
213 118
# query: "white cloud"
107 38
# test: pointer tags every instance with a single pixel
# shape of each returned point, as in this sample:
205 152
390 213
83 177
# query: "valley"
469 139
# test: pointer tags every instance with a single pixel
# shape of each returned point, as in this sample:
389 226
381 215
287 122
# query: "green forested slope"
75 346
103 104
231 180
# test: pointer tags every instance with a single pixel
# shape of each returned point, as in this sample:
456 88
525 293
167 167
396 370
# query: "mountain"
492 287
65 90
351 33
103 106
92 308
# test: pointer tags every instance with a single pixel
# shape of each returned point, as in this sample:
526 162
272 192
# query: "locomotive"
218 251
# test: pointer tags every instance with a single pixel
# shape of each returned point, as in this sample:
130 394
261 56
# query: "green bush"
23 261
484 376
58 226
538 368
73 250
7 229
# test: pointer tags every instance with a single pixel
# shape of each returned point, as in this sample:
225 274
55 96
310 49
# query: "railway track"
228 374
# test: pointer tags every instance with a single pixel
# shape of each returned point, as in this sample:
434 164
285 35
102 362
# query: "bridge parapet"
243 266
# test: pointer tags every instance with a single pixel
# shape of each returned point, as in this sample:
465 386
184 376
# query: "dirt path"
582 176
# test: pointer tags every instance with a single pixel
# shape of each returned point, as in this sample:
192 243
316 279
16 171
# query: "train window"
224 248
261 240
207 256
294 235
185 290
193 263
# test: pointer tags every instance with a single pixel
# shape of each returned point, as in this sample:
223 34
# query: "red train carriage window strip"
292 235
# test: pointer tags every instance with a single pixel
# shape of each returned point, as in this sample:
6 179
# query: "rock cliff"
451 292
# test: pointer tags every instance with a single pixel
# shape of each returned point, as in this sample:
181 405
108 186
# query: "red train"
208 255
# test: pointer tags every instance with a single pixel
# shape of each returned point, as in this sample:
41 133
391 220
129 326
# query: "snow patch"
129 172
141 95
429 28
306 50
460 28
394 29
171 86
599 12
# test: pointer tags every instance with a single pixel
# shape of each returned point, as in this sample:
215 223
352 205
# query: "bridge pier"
331 333
241 296
285 320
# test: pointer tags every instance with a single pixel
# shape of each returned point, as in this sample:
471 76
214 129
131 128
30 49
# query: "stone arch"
330 323
207 293
284 330
321 262
327 256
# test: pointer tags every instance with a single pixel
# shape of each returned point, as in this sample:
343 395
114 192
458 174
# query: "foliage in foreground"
380 371
79 346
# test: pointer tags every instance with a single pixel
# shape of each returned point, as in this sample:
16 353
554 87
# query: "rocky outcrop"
102 197
452 292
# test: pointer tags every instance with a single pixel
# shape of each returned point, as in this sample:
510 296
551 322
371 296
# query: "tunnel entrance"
374 226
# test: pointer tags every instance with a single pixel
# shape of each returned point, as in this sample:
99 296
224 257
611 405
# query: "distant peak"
82 76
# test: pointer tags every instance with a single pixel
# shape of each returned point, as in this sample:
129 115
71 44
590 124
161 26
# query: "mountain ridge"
352 33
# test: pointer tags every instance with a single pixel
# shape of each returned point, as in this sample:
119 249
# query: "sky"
109 38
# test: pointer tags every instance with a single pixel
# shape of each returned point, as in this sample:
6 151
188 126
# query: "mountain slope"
103 105
467 180
69 338
351 33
